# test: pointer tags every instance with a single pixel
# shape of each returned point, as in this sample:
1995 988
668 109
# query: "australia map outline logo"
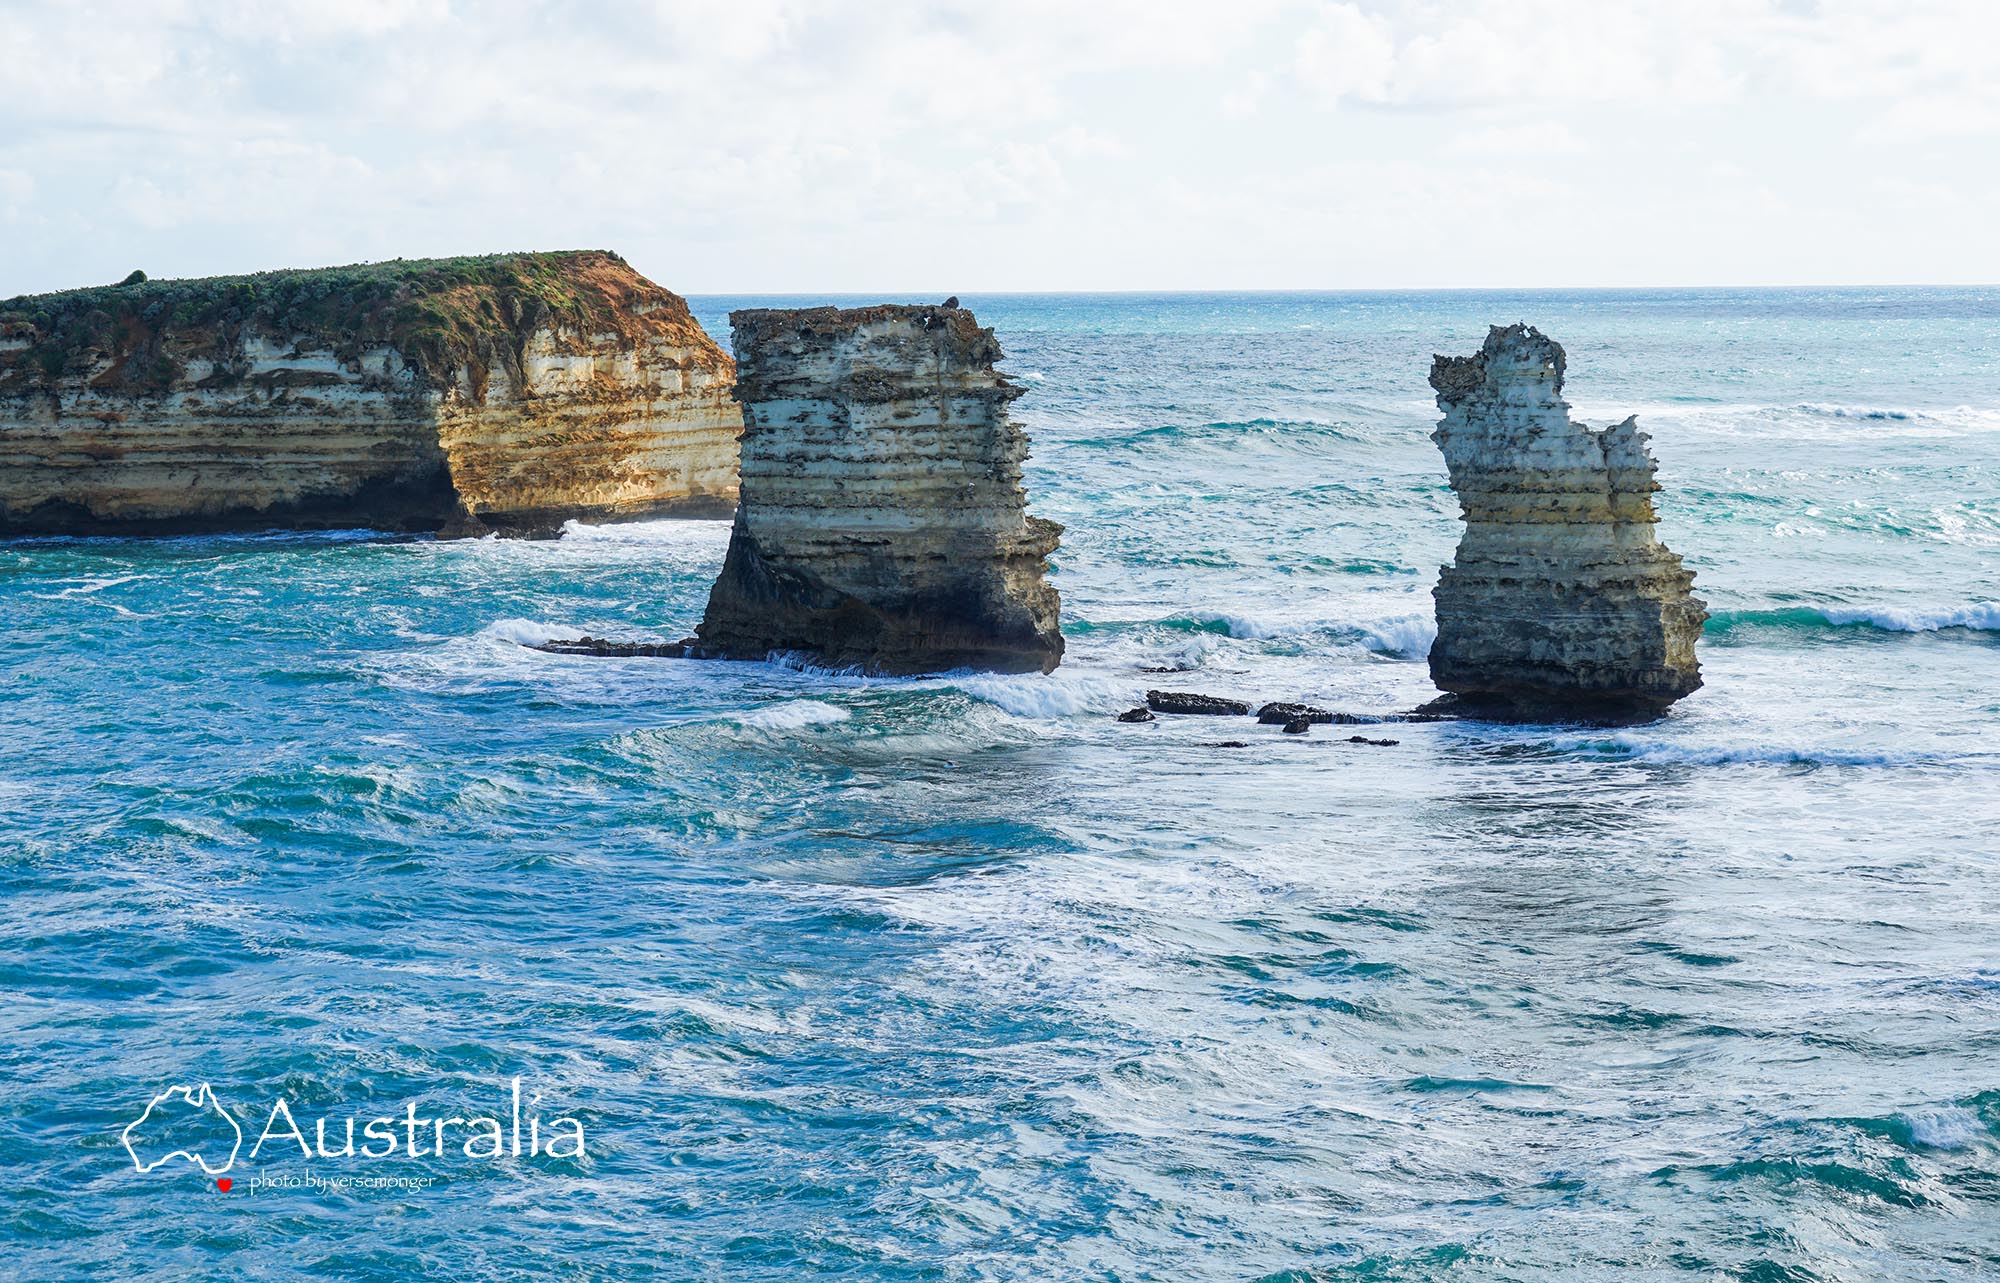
201 1098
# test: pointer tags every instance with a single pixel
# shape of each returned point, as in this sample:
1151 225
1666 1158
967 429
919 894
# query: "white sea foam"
1950 1127
87 587
1637 747
1404 636
1983 616
1409 635
1032 696
679 532
527 632
791 715
1250 628
1962 416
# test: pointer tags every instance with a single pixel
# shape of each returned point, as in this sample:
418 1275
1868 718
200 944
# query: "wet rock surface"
608 649
1277 714
1189 703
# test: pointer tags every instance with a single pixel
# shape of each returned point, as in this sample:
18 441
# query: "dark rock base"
1187 702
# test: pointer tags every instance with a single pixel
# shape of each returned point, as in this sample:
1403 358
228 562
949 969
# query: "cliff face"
882 522
1560 600
507 393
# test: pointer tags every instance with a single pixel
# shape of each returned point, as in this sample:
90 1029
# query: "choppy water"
960 979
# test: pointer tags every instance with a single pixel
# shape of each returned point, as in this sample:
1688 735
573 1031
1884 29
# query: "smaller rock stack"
882 521
1560 602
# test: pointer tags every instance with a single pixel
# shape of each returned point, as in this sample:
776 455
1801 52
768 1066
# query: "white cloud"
1348 54
16 190
796 144
1517 142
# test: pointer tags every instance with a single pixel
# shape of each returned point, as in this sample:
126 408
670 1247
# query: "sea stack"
505 393
882 523
1560 602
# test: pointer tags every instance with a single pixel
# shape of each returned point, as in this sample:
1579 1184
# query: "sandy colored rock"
882 523
1560 600
510 393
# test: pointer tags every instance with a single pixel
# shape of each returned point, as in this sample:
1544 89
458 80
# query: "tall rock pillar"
882 523
1560 601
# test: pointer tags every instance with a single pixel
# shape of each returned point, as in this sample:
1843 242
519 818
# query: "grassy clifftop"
441 314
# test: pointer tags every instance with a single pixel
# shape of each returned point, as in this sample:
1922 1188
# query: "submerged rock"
1298 725
1277 714
607 649
882 522
507 393
1199 705
1136 715
1363 739
1560 601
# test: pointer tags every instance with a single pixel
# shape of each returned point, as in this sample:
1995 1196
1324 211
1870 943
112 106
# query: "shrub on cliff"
442 315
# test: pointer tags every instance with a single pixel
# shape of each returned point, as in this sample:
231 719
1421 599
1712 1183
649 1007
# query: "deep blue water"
961 979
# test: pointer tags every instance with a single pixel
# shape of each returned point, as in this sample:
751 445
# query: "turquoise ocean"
961 979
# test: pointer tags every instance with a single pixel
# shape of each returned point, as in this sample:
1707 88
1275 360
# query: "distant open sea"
961 979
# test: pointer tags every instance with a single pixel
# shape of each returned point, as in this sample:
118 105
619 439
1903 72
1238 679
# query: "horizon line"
1349 289
1149 291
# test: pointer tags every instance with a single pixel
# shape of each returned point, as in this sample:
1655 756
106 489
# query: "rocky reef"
461 395
1560 602
882 522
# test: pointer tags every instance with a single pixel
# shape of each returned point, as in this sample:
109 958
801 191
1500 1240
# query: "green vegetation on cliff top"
440 313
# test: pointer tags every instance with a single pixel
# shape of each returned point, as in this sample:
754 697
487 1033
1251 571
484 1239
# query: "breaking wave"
1399 636
675 531
1633 747
1041 697
527 632
1809 415
791 715
1974 617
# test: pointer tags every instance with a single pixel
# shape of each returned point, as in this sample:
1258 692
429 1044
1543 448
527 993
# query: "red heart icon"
223 1184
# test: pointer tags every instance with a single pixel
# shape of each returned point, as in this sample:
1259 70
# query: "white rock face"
882 522
1560 601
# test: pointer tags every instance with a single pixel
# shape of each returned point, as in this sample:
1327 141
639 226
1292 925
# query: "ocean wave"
1401 636
1949 1127
1634 747
791 715
1409 636
1963 415
1037 697
1979 616
1973 616
1282 433
1817 417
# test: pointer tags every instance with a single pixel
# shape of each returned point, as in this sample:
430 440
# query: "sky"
738 146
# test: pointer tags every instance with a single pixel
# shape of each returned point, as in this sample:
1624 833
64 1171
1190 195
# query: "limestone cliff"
509 393
1560 600
882 521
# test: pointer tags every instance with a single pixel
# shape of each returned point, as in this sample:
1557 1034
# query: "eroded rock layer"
882 521
509 393
1560 601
